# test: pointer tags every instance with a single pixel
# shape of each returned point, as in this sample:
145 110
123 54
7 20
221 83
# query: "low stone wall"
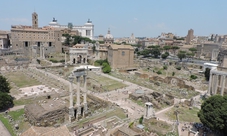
47 119
171 80
141 75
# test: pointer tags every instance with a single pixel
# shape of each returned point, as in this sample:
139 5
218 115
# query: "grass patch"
24 101
9 127
106 83
21 80
157 126
185 114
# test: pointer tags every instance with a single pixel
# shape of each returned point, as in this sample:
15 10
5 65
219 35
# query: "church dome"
108 35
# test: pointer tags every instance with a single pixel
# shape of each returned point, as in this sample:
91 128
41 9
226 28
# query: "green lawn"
106 83
21 80
24 101
185 114
5 121
17 116
157 126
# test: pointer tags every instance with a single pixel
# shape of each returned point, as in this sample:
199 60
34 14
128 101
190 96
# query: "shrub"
193 76
53 60
178 67
106 68
173 73
159 72
141 120
165 67
130 124
62 61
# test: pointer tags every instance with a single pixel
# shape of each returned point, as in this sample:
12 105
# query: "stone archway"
79 59
74 61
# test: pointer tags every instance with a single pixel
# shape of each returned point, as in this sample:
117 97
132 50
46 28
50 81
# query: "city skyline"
144 19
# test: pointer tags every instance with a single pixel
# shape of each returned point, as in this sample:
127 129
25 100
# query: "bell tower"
34 20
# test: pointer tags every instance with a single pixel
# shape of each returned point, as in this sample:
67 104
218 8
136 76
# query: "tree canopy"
181 55
155 52
5 99
4 85
213 113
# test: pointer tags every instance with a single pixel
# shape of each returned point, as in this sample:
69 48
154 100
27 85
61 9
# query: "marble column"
85 95
210 84
40 51
71 109
65 61
215 84
78 97
223 84
43 53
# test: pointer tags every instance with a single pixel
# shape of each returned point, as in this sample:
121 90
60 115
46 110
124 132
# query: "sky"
144 18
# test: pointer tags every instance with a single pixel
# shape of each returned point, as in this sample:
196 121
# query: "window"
123 53
88 32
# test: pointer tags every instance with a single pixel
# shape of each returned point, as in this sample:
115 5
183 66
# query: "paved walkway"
3 130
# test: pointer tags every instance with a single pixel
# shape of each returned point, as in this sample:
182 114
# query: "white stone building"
87 30
78 54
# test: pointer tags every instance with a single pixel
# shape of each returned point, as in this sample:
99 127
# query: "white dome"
108 35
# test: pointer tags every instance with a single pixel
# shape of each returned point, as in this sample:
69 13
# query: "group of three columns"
78 106
214 83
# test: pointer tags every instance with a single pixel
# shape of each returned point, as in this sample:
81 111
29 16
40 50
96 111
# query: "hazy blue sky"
142 17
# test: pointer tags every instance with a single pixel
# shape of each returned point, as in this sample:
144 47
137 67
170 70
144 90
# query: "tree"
165 55
193 50
106 68
174 48
68 39
155 52
213 113
207 74
181 56
4 85
167 48
5 100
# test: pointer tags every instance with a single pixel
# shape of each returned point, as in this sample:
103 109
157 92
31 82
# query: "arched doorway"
84 60
74 61
79 59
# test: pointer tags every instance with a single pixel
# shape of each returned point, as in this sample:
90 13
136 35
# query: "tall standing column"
71 109
210 84
85 95
65 61
223 84
78 97
215 84
43 53
40 51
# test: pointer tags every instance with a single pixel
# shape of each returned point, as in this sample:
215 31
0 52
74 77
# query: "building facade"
25 37
78 54
4 40
87 30
120 56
